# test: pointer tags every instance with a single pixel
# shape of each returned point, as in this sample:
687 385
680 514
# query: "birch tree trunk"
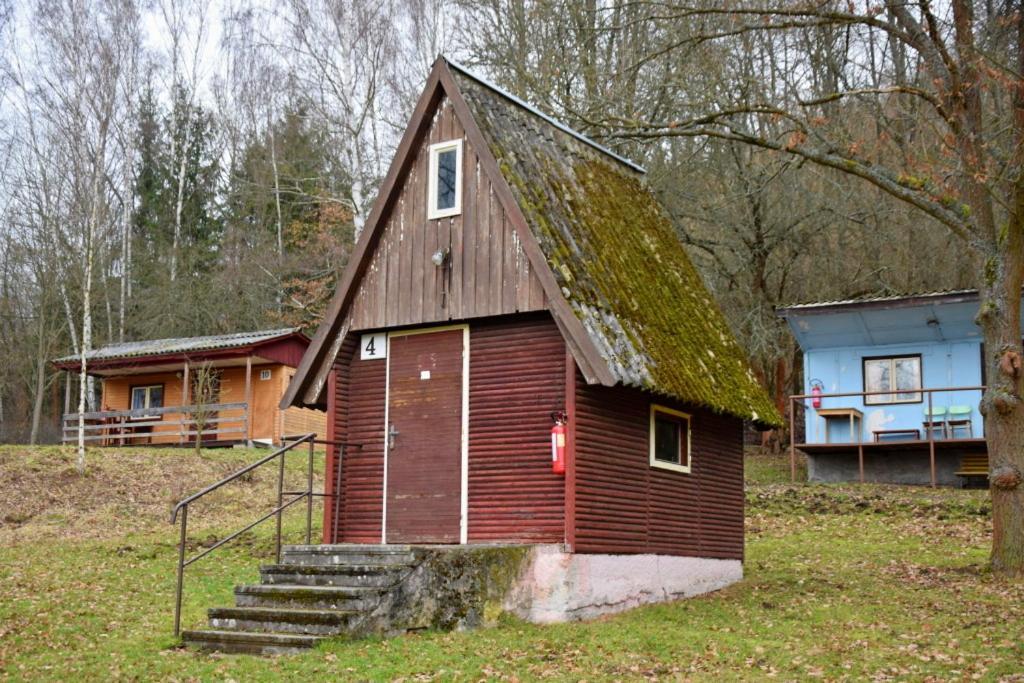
40 388
180 200
277 189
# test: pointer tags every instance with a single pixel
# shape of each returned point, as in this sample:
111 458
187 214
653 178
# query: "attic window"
445 186
670 439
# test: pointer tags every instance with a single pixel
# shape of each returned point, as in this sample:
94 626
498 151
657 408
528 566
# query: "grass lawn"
842 582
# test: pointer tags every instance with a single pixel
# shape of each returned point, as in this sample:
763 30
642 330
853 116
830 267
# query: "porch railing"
794 399
293 497
174 423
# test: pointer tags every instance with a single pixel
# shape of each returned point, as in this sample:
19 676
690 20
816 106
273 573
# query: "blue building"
893 386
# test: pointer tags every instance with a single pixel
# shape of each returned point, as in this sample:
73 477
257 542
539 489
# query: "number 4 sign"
373 346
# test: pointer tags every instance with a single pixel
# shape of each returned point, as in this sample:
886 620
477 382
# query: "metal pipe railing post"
309 494
280 502
338 454
931 437
181 572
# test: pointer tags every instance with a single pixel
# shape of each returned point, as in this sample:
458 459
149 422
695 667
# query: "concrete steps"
306 597
354 576
315 592
319 555
245 642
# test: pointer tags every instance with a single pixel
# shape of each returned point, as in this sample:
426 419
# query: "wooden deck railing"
170 424
859 442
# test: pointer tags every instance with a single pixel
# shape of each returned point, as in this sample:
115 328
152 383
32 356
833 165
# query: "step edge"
353 591
281 614
271 637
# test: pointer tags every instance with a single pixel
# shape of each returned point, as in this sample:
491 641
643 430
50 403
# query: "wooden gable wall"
490 273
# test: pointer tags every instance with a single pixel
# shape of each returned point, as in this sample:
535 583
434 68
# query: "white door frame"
464 474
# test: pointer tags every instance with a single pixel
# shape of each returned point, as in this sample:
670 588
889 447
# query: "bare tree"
340 56
205 394
85 52
921 102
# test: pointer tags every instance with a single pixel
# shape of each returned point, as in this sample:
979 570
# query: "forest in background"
170 170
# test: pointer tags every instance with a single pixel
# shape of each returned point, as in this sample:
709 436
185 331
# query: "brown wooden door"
424 478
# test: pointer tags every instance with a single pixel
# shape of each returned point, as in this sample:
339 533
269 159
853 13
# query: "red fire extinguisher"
816 393
558 442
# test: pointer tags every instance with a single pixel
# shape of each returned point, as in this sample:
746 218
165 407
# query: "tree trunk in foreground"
1002 406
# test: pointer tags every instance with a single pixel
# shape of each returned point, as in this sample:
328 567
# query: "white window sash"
435 150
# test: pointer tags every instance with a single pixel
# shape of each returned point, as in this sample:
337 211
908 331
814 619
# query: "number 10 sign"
373 346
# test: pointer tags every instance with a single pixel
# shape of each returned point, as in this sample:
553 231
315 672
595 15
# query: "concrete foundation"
558 586
885 468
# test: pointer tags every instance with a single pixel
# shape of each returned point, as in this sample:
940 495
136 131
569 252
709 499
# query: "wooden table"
855 417
879 433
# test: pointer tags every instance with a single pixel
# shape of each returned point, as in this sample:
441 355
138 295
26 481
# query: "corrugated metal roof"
618 261
893 298
157 347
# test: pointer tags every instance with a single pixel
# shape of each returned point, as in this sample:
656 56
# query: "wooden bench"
913 433
975 465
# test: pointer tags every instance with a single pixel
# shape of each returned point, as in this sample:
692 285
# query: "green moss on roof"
619 263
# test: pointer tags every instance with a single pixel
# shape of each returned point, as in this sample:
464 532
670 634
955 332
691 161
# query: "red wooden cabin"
512 270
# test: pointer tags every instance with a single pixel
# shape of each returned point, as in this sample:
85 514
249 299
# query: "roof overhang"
161 364
158 362
913 319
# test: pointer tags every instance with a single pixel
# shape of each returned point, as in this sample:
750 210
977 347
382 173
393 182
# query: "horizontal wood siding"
623 505
517 378
359 424
489 272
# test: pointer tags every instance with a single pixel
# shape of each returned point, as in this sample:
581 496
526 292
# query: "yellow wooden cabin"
222 389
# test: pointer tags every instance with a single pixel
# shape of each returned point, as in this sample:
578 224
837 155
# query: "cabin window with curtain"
670 439
145 397
445 185
902 374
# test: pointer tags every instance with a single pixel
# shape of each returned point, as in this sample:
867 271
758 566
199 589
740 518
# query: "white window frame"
148 389
893 397
661 464
435 150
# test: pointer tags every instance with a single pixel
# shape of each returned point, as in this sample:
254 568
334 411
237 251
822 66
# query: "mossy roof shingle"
617 260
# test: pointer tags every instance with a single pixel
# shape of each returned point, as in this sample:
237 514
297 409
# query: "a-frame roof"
631 306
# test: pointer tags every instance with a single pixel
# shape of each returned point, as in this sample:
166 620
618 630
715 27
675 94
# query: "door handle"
392 436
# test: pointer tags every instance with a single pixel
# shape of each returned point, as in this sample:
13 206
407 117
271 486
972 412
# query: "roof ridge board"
878 299
226 336
538 113
260 335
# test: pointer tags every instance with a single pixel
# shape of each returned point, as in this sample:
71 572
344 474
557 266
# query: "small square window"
445 187
670 439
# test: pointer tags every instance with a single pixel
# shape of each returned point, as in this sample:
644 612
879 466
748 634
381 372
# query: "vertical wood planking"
489 272
454 311
523 273
497 245
391 266
470 230
414 272
509 277
483 253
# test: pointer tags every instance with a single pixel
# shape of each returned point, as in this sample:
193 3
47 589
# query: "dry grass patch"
126 490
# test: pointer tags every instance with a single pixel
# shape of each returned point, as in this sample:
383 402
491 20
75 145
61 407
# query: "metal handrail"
182 507
860 439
